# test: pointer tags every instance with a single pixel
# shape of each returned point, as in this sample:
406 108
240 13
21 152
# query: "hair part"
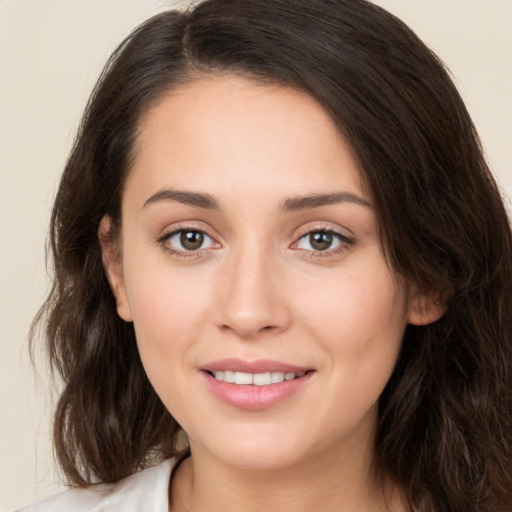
445 417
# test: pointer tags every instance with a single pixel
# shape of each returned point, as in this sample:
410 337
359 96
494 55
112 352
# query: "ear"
425 308
111 257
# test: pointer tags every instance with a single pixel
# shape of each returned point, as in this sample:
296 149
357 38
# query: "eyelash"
182 253
345 243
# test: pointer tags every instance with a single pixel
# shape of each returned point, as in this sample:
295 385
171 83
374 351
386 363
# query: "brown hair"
445 427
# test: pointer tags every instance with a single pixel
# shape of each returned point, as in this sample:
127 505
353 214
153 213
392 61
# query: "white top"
146 491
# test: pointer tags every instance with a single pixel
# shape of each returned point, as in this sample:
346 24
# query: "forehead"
219 132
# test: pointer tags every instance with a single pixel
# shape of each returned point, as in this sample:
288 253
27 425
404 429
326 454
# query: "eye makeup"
190 241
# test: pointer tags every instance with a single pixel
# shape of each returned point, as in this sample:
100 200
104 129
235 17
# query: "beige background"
51 52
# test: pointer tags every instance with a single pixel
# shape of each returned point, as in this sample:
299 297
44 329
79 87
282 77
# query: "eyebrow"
198 199
292 204
307 202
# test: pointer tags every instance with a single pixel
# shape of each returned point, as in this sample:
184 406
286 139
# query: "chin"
261 459
266 448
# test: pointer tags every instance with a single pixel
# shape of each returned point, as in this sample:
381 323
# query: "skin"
257 289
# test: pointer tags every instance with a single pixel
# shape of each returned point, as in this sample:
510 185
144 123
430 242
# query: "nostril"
248 330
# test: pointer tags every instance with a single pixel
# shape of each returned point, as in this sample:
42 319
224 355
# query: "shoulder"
146 491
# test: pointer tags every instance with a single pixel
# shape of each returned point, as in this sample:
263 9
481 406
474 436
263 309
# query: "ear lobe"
425 308
111 258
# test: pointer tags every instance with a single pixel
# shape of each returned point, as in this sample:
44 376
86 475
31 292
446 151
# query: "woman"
282 273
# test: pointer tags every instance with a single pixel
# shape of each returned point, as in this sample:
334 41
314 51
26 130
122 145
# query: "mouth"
255 379
255 385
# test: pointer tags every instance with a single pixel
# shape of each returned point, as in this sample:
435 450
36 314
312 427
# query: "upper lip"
258 366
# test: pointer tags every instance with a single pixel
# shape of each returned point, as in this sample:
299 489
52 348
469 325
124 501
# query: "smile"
255 379
256 385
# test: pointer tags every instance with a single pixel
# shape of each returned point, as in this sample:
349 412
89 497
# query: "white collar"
146 491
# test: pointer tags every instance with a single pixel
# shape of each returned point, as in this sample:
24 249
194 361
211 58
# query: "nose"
252 296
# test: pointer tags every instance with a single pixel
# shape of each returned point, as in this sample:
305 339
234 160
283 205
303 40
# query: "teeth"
256 379
276 377
243 378
262 379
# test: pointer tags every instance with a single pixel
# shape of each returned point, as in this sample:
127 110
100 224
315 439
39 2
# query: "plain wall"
51 53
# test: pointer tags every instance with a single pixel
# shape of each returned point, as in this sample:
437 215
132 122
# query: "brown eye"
188 241
320 240
323 241
191 240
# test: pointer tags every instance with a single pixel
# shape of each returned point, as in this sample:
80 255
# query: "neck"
330 481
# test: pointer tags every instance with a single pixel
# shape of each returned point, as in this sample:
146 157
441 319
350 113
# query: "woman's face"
251 252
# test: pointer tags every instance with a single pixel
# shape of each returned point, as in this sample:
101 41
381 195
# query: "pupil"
192 240
321 240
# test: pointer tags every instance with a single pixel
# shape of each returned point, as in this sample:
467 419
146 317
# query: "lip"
250 397
258 366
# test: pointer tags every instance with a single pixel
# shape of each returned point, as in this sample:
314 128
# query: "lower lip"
254 398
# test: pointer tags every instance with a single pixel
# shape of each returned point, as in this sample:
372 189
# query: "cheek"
360 318
359 325
359 302
169 306
168 320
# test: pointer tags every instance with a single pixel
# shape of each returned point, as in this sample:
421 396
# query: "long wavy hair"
445 418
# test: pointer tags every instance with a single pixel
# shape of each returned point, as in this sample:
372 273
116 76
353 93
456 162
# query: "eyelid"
172 230
346 242
184 226
326 227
